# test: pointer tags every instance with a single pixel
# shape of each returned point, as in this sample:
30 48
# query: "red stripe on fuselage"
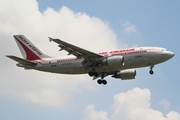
29 54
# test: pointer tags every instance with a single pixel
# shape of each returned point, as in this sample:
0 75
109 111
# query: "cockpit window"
164 49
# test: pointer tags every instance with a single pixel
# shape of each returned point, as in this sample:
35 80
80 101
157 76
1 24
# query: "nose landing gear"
151 71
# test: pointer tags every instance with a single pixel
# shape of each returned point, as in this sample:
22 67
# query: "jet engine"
113 61
126 74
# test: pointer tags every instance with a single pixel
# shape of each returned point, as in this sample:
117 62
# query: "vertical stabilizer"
28 49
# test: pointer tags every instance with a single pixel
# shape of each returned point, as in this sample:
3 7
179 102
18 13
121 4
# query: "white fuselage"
133 58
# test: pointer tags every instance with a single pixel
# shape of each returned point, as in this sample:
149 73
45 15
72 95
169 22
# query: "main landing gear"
93 73
151 71
102 81
99 81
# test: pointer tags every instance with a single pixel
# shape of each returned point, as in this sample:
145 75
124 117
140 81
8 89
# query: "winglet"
50 39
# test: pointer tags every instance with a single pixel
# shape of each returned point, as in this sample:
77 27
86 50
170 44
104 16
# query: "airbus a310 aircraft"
118 63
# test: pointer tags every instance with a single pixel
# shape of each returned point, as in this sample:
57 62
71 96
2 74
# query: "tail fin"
28 49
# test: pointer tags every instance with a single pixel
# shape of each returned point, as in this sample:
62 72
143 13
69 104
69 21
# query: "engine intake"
126 74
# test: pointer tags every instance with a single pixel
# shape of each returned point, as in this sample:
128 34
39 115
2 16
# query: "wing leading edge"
77 51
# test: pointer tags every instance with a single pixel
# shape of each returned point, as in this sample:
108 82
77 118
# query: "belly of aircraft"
77 67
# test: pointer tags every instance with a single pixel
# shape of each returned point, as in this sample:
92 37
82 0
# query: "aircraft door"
149 56
53 63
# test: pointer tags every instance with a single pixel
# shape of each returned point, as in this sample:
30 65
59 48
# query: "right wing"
77 51
22 61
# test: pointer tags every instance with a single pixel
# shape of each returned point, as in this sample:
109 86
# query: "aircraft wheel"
104 82
95 74
91 73
99 81
151 72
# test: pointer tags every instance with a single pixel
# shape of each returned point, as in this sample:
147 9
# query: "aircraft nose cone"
171 54
166 55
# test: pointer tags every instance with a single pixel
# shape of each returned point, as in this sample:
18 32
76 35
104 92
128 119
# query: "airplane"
120 64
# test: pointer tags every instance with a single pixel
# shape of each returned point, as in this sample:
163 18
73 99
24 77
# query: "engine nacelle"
126 74
114 61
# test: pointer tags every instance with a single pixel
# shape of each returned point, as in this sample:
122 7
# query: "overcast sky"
95 26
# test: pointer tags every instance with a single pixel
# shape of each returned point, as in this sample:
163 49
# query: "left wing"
77 51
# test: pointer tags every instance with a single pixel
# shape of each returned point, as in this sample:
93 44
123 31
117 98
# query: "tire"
95 74
151 72
90 73
99 81
104 82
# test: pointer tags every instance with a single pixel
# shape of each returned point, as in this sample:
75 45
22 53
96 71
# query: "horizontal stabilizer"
22 61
